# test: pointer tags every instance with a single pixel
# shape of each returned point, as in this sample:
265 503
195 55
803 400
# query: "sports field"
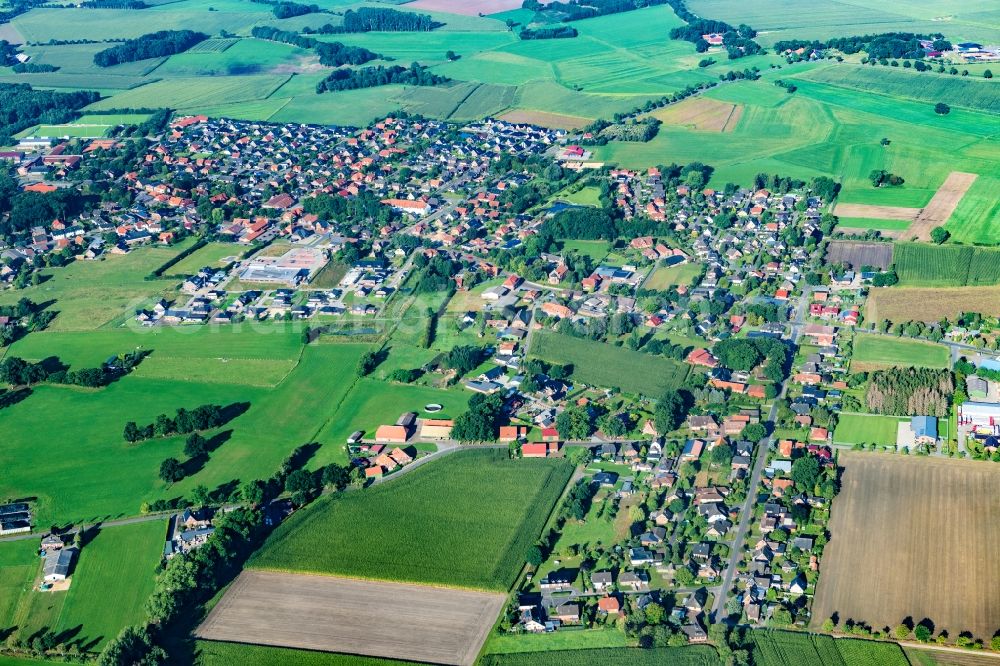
904 521
607 366
465 520
664 277
428 624
930 304
866 429
872 352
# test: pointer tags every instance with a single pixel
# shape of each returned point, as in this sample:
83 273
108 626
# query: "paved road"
746 512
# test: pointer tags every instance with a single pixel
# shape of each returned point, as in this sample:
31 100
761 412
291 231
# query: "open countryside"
499 333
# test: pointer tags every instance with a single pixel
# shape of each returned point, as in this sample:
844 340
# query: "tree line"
332 54
555 32
880 45
184 422
152 45
15 371
378 19
283 10
370 77
22 107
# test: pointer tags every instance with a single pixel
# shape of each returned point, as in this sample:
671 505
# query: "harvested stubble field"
544 119
930 304
876 212
413 622
857 254
906 523
465 520
942 205
701 114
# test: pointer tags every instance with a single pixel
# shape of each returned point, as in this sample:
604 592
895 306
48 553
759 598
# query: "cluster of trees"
7 52
33 68
370 77
113 4
283 10
787 85
671 410
738 41
882 45
744 354
378 19
16 371
882 178
574 423
736 75
184 422
480 422
332 54
24 316
575 11
463 359
434 274
910 392
364 207
554 32
152 45
632 130
578 500
22 107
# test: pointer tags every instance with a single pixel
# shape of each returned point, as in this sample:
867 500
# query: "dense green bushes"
152 45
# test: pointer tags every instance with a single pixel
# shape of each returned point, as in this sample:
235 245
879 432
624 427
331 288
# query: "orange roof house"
392 433
511 433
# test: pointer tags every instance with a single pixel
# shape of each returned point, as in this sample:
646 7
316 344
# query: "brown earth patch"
545 119
396 620
859 253
942 204
876 212
905 523
930 304
700 114
10 34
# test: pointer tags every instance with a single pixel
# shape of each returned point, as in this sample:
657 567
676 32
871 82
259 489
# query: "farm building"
394 434
57 564
436 428
15 518
539 449
984 415
924 429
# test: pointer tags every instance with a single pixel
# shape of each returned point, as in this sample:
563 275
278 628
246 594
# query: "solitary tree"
939 235
942 109
171 470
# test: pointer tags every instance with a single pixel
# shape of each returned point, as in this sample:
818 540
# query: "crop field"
929 656
702 114
872 352
80 468
218 45
979 94
930 304
90 294
974 220
120 564
904 521
429 624
787 648
605 365
664 277
544 119
877 212
191 93
857 254
699 655
465 520
925 265
888 228
217 653
866 429
788 19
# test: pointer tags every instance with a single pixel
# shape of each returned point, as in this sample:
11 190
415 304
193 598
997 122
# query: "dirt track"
395 620
942 204
914 537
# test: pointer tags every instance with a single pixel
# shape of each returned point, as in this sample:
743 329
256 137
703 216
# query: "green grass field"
465 520
605 365
664 277
90 294
866 428
19 565
595 249
872 351
212 653
120 564
210 255
926 265
559 640
701 655
80 468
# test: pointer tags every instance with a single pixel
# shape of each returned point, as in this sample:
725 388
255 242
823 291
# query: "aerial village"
721 505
